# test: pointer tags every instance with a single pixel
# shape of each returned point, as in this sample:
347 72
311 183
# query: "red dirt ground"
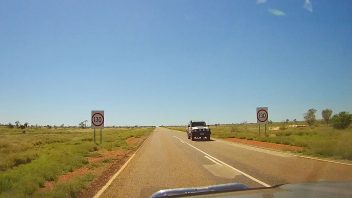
269 145
106 155
133 141
116 158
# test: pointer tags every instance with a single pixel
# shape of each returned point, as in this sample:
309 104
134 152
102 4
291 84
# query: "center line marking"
214 158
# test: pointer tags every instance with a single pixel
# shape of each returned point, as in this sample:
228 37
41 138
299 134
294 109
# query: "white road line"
285 153
102 190
243 173
282 152
180 139
323 160
212 160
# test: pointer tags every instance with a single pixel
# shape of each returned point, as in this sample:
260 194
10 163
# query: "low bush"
28 160
341 120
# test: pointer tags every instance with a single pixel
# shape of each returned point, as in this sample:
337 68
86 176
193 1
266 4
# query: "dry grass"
322 140
30 159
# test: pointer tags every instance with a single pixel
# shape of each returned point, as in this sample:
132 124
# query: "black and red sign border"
101 122
267 115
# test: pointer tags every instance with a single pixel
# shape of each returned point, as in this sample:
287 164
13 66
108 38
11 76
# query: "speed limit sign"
262 115
97 119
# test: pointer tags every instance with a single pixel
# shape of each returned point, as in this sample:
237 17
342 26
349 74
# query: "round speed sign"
262 115
98 119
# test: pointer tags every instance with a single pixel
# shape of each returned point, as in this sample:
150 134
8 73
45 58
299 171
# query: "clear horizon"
168 62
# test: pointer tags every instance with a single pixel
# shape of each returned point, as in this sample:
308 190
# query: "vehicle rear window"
194 124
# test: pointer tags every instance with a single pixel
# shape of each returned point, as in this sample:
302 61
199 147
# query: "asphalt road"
167 159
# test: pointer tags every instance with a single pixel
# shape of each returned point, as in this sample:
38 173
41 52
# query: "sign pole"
98 122
101 136
262 117
94 136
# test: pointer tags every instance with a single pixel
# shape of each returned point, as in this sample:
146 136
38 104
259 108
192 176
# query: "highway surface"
167 159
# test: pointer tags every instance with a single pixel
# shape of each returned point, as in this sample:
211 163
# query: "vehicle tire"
193 138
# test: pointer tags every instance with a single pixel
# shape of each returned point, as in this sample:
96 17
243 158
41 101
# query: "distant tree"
270 122
326 114
25 125
341 120
62 126
287 120
81 125
295 121
309 117
48 126
9 125
17 123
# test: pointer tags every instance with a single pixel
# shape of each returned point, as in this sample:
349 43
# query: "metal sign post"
259 130
94 136
262 117
101 136
98 122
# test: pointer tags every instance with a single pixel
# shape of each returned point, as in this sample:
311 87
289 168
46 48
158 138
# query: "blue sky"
166 62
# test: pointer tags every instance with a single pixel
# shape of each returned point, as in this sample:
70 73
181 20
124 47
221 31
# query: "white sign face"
97 119
262 115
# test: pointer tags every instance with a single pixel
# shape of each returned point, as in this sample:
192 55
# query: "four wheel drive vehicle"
198 130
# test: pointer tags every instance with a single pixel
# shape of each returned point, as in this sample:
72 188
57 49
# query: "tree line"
341 120
26 125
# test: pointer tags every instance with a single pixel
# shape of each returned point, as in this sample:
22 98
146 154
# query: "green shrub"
5 183
28 160
309 117
234 129
284 133
342 120
301 133
283 127
107 160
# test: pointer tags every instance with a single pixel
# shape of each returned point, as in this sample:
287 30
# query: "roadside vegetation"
31 158
329 137
321 140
